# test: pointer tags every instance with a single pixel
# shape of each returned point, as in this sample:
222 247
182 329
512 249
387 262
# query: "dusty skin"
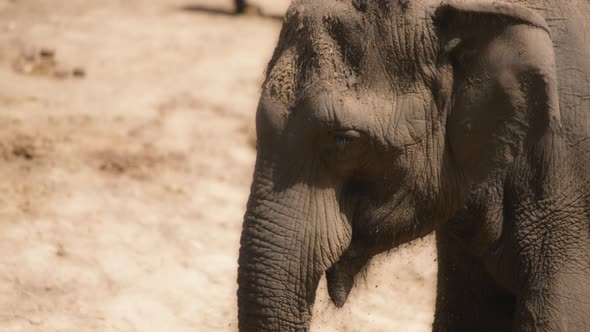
126 164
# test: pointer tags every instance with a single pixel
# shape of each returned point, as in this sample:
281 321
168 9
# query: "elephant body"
383 121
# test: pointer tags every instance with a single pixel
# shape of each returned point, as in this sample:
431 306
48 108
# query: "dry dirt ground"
126 160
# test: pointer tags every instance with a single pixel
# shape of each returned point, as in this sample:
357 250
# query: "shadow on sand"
253 11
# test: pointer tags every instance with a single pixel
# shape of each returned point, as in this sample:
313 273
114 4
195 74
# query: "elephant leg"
468 299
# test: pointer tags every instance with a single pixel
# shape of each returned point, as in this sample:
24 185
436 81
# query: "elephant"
382 121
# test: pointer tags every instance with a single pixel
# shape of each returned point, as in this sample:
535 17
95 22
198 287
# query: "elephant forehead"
362 6
315 30
353 64
380 44
313 11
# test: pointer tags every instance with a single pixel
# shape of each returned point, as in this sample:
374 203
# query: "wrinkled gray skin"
381 121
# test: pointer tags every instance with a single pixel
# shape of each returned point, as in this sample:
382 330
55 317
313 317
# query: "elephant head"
375 119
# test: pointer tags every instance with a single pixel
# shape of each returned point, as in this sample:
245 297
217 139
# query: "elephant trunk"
290 237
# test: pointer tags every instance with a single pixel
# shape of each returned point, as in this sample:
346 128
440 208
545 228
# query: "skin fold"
383 121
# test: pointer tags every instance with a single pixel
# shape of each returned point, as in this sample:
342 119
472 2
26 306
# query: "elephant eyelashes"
342 139
343 150
341 142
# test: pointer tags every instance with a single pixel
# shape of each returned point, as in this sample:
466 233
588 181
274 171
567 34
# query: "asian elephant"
381 121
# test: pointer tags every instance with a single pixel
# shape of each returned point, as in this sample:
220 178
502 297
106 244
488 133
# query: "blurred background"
127 148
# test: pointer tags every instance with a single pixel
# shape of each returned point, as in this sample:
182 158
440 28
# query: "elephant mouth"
341 275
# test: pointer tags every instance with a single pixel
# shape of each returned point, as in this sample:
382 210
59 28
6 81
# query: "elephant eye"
343 138
343 150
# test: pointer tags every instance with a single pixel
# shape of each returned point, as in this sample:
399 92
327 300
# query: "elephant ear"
499 68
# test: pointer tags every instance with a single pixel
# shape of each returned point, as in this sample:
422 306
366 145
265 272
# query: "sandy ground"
126 161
